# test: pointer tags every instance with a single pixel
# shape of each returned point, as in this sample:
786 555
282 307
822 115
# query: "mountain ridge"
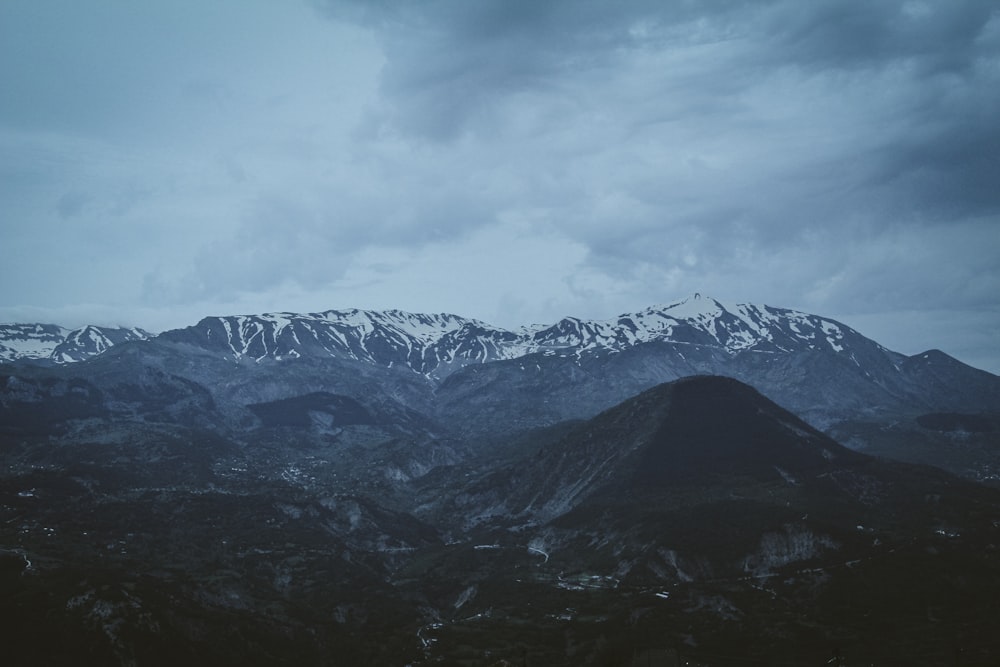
52 343
471 379
436 345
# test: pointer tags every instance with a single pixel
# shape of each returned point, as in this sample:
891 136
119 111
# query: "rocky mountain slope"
461 378
55 344
703 499
438 345
691 432
697 521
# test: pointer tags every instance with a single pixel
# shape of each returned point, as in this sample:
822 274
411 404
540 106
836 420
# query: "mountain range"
692 484
438 345
438 368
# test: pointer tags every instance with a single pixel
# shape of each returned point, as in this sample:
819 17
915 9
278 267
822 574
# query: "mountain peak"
694 305
718 424
692 431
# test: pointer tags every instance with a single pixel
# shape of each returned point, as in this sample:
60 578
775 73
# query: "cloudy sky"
510 160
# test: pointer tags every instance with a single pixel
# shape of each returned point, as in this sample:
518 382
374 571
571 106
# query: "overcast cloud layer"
514 161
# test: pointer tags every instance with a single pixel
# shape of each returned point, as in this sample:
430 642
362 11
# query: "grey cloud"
71 204
834 33
837 156
311 241
945 268
451 58
456 66
950 167
727 137
449 62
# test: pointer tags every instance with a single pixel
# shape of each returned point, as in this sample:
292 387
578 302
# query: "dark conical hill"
700 431
717 425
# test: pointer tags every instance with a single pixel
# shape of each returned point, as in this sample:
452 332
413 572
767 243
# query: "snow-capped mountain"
91 340
386 338
29 341
581 365
437 345
570 369
700 320
53 343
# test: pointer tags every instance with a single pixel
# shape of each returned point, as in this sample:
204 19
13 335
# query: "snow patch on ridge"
435 345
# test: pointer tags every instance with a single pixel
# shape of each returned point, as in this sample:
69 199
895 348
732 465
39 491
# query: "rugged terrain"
451 370
50 343
361 487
